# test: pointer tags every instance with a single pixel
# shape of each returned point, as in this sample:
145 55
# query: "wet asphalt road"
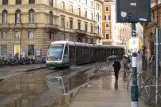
43 87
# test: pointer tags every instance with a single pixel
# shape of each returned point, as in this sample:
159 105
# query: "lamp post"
134 86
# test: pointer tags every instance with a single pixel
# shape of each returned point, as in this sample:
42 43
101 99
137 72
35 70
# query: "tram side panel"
78 54
108 52
92 55
72 55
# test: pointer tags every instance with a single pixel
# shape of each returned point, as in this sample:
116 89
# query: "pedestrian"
125 63
117 67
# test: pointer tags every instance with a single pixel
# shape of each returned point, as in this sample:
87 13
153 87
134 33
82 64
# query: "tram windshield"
56 51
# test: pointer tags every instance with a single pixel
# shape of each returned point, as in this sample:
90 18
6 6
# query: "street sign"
134 44
133 11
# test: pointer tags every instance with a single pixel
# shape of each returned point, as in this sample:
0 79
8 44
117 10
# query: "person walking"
117 67
125 63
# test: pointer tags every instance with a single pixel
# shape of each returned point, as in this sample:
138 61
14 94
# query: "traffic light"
133 11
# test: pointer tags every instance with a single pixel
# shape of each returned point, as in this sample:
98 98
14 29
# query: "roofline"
100 1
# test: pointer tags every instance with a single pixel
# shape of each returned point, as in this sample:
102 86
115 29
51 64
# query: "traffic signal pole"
134 86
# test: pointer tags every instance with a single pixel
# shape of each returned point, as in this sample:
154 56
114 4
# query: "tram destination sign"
133 11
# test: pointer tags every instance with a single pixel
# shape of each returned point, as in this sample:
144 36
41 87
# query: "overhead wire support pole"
156 61
157 53
134 86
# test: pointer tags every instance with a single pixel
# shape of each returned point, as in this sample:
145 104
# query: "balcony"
107 28
17 26
81 32
29 25
52 27
4 26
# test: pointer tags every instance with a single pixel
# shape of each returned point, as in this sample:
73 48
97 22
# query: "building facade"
113 33
149 29
29 26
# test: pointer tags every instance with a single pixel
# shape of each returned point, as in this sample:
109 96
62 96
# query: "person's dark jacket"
116 65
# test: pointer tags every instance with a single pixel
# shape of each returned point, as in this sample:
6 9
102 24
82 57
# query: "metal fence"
147 87
102 63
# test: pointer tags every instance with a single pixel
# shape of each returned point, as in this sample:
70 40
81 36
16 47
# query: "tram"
67 53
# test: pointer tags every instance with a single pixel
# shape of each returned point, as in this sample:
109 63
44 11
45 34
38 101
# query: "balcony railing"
27 25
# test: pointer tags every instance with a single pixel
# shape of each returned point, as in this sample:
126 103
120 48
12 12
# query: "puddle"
37 90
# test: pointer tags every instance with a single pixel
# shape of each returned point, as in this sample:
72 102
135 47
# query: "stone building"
149 28
113 33
29 26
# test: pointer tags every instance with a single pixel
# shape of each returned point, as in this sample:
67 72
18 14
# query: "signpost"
133 11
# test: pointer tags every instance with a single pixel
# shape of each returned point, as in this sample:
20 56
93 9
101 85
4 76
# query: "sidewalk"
7 71
104 92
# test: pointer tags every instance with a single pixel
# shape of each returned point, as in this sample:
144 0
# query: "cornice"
38 7
101 1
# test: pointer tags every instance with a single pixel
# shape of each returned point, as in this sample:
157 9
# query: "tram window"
66 52
72 52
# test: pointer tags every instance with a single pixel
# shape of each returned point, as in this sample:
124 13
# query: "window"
51 2
97 6
98 17
3 50
17 35
86 13
91 40
86 27
86 2
18 16
91 3
86 40
18 1
107 36
98 29
63 5
107 27
71 8
63 36
71 37
79 25
31 16
31 1
71 23
30 34
65 52
4 17
51 35
4 35
62 21
50 18
91 28
5 2
30 50
107 9
107 17
79 11
91 16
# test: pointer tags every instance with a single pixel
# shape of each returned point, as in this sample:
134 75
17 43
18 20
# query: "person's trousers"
116 75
